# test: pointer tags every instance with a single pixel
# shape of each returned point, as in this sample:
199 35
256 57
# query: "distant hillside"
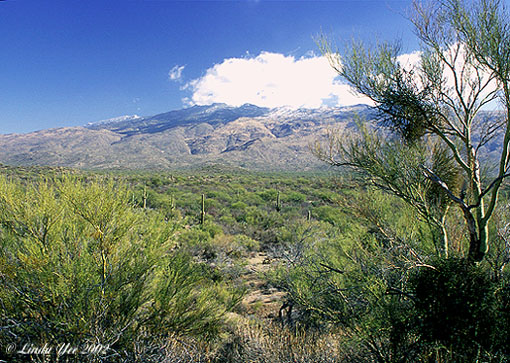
246 136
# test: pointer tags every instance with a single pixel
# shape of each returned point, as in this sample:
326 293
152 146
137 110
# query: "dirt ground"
262 300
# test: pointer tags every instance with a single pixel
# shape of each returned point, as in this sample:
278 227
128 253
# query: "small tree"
462 66
395 167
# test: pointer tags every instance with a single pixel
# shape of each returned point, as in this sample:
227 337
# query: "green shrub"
79 264
329 214
455 307
294 197
246 243
239 205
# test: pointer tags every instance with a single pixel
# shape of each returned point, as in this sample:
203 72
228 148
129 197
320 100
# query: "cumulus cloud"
176 73
273 80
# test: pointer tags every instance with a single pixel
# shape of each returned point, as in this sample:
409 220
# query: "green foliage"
370 278
239 205
329 214
184 302
455 306
78 264
464 43
82 263
399 168
295 197
246 242
351 276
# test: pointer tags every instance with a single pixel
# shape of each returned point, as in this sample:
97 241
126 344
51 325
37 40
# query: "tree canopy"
461 71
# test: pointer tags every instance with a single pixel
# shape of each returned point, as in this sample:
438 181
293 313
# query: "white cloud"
176 73
410 61
273 80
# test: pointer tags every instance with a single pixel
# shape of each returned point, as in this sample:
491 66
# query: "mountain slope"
248 136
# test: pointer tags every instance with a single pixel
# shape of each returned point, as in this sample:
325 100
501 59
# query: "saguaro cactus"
278 205
202 214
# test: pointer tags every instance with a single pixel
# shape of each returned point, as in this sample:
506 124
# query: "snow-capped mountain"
116 119
248 136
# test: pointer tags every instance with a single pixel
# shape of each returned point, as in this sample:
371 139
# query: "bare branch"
331 268
432 176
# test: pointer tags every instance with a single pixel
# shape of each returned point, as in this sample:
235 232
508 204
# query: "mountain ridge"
246 136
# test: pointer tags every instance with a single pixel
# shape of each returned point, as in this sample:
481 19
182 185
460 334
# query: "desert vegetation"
399 253
284 267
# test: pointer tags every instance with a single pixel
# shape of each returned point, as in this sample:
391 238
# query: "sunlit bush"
79 264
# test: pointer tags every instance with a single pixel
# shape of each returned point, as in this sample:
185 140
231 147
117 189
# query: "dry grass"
251 342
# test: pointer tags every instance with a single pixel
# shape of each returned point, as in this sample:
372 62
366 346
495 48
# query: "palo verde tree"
395 167
463 66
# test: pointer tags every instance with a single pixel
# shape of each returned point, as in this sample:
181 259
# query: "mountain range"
246 136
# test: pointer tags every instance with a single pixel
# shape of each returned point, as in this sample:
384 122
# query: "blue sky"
69 62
